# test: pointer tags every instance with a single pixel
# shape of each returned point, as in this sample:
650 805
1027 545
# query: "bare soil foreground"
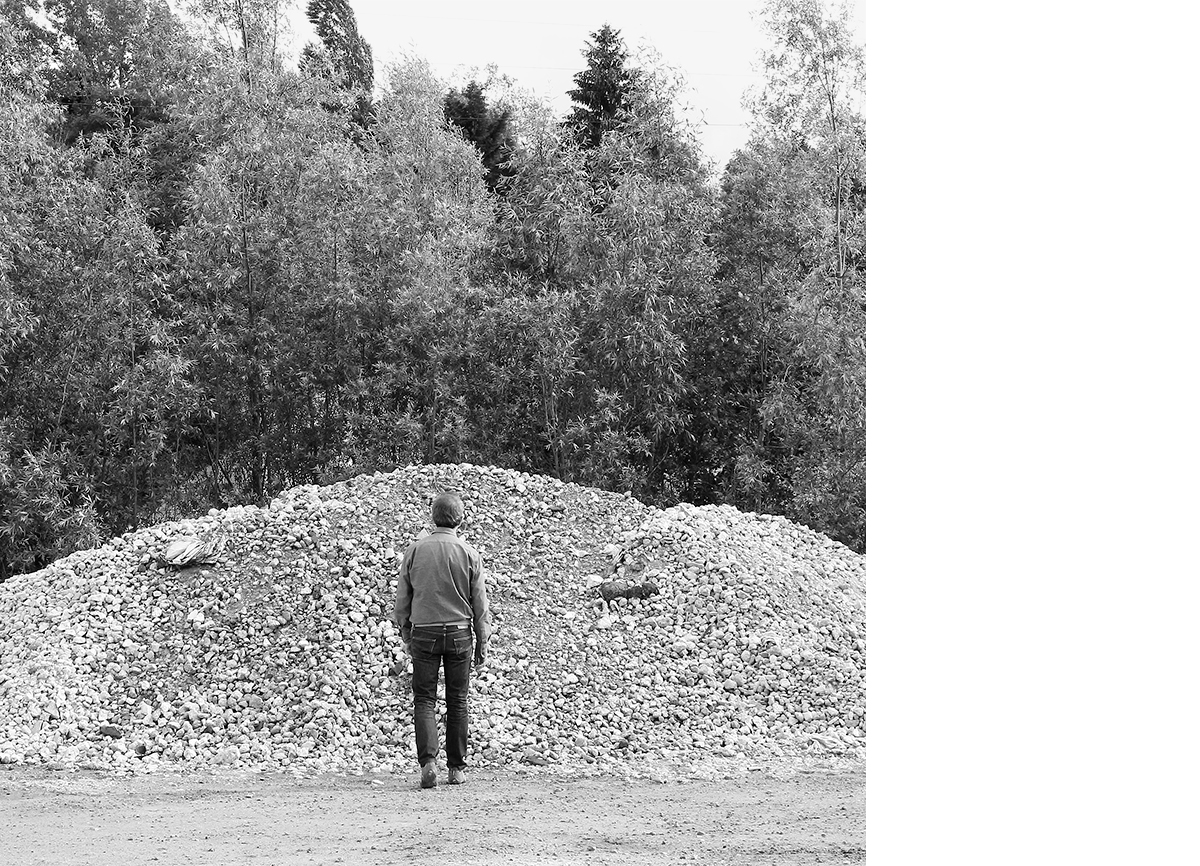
736 814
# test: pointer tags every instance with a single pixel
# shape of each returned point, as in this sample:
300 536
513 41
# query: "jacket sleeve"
479 602
402 609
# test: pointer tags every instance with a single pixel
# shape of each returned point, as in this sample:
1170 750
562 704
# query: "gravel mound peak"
280 653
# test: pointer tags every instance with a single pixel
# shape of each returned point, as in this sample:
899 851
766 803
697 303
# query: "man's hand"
480 657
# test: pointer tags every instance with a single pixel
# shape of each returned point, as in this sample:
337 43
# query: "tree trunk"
253 379
241 8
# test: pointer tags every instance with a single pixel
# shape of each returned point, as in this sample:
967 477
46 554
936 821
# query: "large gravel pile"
280 652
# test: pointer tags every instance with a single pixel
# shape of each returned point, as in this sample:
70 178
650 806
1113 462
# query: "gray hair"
447 509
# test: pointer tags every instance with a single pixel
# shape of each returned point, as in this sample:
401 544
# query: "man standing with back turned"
439 598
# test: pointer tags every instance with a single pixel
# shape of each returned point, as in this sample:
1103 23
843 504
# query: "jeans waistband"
442 626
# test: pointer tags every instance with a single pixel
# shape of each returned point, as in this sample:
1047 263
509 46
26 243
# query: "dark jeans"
432 648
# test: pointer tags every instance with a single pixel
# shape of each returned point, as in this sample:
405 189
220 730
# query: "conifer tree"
484 127
603 90
346 51
343 55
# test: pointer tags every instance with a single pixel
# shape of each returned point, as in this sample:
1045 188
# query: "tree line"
223 274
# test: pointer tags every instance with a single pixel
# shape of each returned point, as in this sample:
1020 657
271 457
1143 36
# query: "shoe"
429 775
458 776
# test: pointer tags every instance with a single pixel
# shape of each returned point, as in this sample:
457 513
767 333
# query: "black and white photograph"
433 434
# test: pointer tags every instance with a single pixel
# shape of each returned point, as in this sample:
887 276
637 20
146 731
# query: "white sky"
539 43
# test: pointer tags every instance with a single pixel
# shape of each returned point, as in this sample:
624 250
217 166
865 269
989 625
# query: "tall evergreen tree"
346 51
603 91
484 127
343 55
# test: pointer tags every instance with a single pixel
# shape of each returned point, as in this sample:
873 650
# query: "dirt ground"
742 815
